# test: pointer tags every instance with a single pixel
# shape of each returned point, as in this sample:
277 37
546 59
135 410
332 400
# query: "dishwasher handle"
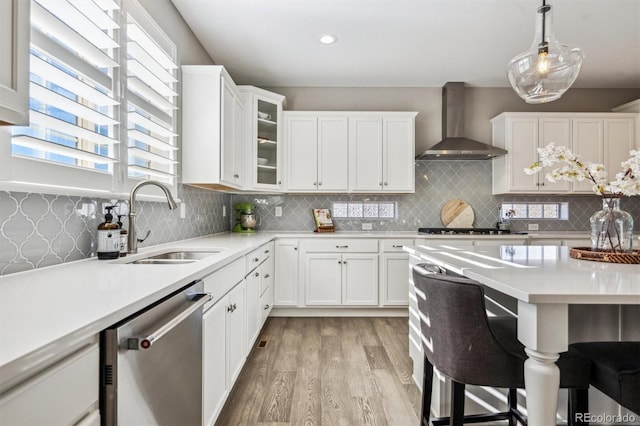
198 299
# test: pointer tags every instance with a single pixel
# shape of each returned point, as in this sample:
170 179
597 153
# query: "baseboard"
339 312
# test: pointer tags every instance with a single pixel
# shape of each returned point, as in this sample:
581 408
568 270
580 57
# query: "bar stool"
468 347
615 370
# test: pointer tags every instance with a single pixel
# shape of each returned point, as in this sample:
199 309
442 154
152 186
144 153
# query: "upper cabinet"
597 137
350 151
381 152
213 128
317 152
263 112
14 62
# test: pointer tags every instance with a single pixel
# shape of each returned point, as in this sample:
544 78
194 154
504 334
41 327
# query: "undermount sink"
175 257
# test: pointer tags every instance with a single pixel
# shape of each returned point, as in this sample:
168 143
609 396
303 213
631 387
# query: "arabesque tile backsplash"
39 230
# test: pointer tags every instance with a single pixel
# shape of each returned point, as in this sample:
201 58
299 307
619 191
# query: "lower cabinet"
341 279
223 352
286 273
65 393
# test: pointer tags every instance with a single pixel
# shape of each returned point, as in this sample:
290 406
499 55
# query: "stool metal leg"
427 383
457 403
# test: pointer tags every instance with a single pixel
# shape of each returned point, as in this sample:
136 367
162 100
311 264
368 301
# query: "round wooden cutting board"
457 214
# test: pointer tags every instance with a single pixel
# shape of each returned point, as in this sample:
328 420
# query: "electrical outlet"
278 211
183 210
367 227
533 227
224 211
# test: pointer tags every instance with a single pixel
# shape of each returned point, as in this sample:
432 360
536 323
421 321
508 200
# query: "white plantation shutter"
73 105
103 98
151 99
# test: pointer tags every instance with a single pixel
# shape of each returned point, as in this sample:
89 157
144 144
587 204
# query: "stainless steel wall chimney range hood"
454 146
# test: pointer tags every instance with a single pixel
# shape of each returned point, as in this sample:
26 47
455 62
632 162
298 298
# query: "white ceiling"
408 43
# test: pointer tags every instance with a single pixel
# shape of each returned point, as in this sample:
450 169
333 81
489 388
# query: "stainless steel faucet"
133 239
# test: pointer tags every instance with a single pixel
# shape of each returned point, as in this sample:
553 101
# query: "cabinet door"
214 366
14 62
398 154
333 154
558 131
522 145
238 142
227 144
253 306
395 279
365 154
266 304
286 273
302 153
360 279
236 338
588 143
618 141
323 278
266 118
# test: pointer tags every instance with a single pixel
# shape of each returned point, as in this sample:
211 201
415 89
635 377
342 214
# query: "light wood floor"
326 371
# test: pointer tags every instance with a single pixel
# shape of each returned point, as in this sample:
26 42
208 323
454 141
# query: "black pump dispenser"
108 237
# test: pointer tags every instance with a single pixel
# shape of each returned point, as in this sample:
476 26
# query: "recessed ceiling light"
328 39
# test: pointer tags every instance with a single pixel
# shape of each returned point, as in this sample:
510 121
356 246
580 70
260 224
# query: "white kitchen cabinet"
394 272
264 135
603 138
253 306
223 336
215 387
340 272
213 136
286 273
14 62
521 135
236 332
317 152
65 393
381 152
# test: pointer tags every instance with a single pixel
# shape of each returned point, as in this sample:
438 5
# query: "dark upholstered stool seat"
471 348
615 370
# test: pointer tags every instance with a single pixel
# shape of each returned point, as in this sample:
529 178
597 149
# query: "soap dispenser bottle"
108 237
124 243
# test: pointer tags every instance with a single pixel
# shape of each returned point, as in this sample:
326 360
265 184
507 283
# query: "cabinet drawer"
332 245
394 245
62 394
266 280
259 255
266 304
223 280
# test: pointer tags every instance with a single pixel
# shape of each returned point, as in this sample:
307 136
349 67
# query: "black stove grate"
463 231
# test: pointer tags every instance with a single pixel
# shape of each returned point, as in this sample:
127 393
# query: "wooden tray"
585 253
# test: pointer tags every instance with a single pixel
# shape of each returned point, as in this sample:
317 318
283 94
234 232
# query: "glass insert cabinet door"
267 162
264 115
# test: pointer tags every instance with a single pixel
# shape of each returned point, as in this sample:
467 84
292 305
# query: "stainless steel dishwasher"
152 363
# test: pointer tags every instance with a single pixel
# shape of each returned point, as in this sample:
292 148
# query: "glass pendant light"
547 70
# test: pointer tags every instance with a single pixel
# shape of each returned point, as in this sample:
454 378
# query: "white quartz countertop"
540 274
75 300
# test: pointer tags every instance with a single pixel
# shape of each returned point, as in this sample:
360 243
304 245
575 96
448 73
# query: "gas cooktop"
463 231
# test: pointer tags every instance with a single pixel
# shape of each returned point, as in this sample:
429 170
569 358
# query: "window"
102 98
365 210
558 211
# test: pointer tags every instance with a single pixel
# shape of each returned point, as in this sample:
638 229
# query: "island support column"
544 331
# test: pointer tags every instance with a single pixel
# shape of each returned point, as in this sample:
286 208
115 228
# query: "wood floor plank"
305 405
395 348
277 403
326 371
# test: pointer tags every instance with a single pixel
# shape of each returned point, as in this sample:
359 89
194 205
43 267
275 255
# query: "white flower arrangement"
627 182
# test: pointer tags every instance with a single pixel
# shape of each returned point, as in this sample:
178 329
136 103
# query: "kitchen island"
545 281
